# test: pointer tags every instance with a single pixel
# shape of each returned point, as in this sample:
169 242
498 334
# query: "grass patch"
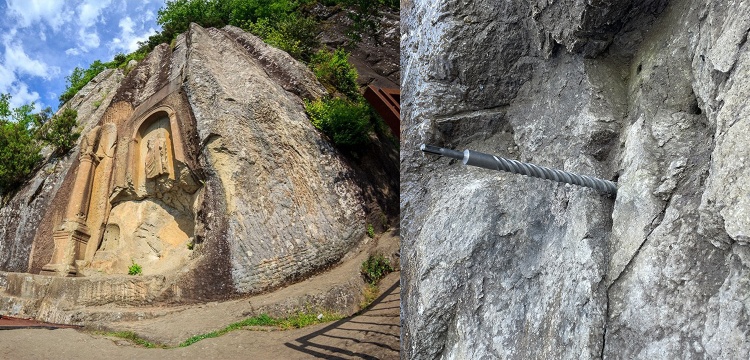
296 321
371 293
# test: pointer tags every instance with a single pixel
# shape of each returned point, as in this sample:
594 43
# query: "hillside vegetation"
22 135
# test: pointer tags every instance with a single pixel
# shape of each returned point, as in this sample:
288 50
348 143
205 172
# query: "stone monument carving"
72 237
156 157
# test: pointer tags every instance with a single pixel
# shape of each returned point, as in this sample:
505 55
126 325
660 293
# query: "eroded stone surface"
293 207
501 266
148 233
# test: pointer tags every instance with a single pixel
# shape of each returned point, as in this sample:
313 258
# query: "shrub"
346 122
335 72
370 231
375 268
60 131
293 33
134 269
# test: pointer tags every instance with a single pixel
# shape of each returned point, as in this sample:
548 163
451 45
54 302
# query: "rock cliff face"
651 94
200 165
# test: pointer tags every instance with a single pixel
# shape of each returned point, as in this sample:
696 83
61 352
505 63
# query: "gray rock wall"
647 93
290 201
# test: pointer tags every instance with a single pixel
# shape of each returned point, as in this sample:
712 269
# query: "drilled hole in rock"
638 70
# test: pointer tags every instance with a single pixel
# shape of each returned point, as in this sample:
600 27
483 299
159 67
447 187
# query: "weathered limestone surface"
649 93
201 166
291 204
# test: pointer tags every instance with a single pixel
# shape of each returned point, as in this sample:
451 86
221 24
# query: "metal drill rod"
487 161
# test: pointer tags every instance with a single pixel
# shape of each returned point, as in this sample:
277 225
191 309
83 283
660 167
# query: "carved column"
73 234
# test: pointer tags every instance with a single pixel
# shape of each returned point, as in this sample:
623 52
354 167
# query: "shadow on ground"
373 334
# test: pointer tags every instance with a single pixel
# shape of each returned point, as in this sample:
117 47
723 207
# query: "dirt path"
374 334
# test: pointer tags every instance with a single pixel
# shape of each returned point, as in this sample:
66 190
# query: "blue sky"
41 41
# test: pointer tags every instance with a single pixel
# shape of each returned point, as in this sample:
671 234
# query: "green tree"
79 78
293 33
60 131
278 22
19 151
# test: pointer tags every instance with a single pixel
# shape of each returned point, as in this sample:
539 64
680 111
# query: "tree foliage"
293 33
335 72
19 150
80 77
346 122
60 131
22 135
280 23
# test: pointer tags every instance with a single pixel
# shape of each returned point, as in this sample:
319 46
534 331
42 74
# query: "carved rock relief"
149 220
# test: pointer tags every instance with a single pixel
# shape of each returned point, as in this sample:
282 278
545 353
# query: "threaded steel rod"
487 161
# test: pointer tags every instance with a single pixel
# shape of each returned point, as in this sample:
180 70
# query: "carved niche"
131 201
151 220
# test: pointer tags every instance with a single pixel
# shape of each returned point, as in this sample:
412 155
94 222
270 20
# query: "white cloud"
87 40
20 95
148 16
42 35
17 60
126 25
10 35
89 11
27 12
72 52
128 40
7 77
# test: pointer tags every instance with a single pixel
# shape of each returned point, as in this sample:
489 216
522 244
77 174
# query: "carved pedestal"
70 239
